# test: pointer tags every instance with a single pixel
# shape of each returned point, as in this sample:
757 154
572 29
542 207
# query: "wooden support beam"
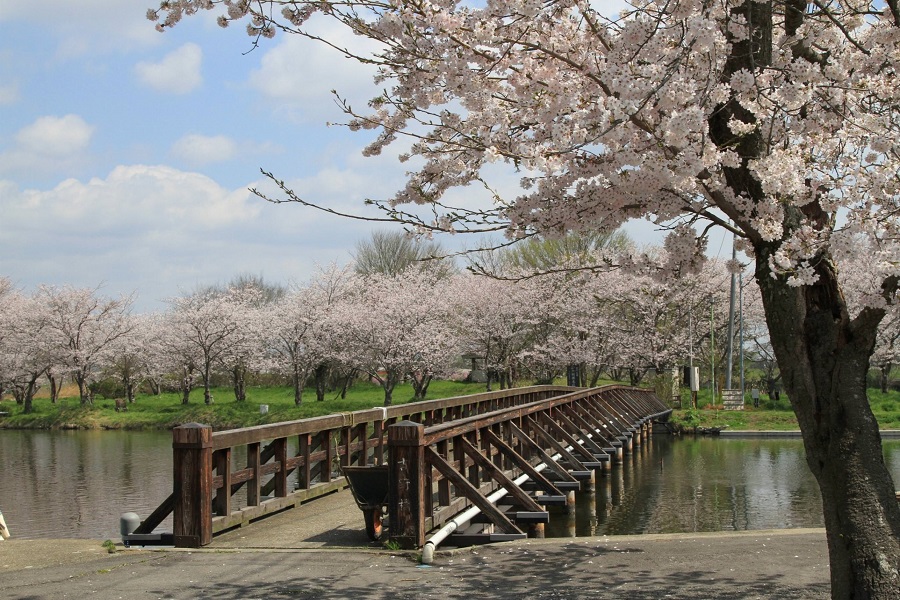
470 492
523 437
521 498
406 477
565 435
544 484
192 474
574 422
159 515
556 445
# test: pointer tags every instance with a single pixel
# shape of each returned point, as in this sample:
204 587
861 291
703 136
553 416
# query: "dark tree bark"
822 354
420 383
299 379
54 386
239 379
885 372
824 359
321 378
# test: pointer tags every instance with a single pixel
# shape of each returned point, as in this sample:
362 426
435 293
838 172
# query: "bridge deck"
330 522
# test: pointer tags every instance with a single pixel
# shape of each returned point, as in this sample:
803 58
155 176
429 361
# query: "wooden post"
406 473
192 486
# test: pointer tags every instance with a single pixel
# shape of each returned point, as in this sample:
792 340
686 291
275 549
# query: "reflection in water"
674 485
76 484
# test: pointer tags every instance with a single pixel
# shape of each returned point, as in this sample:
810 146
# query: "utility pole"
712 343
741 331
730 366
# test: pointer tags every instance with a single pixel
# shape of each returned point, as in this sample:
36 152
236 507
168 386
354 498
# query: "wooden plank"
222 498
157 516
274 505
556 445
523 437
536 476
470 492
522 499
253 483
565 435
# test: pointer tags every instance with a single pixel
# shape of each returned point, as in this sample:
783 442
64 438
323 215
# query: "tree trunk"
239 380
83 392
299 379
885 377
54 387
321 375
30 390
207 392
824 359
187 384
420 383
129 389
390 381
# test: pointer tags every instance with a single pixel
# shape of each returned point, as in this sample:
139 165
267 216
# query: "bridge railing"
437 472
229 478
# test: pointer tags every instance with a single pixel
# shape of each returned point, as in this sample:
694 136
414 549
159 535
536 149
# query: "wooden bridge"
499 457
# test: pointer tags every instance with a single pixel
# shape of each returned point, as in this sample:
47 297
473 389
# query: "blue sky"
126 154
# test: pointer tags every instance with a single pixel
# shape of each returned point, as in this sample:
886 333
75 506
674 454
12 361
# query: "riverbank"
276 404
746 565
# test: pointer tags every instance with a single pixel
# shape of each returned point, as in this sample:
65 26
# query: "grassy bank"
776 415
166 410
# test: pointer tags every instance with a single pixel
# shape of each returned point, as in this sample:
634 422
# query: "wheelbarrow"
369 485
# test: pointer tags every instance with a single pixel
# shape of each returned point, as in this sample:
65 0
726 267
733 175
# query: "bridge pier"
192 487
406 473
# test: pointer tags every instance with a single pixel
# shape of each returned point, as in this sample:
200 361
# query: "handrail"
434 475
205 481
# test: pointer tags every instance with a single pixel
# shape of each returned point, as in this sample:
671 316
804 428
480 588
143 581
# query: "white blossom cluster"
613 119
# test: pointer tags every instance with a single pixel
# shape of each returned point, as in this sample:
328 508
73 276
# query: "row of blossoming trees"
410 326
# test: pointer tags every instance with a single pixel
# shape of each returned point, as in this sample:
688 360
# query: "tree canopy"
777 120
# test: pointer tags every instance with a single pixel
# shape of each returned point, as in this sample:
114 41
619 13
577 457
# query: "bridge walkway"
333 521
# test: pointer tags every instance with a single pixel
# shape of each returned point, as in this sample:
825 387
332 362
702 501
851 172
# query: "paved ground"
329 557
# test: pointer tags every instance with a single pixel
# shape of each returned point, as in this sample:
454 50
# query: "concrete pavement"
319 550
763 564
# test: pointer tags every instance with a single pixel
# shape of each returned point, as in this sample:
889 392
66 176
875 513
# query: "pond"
76 484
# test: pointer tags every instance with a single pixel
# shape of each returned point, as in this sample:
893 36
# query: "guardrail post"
192 486
406 472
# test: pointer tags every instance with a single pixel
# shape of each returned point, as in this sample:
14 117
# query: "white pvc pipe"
463 518
4 530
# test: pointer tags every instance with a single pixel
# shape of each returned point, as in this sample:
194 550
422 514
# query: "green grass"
166 410
774 415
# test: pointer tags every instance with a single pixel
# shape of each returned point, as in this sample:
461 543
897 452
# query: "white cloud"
159 231
197 150
50 144
55 136
87 26
177 73
9 93
298 75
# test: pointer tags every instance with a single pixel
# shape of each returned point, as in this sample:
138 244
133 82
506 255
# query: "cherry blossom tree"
27 348
130 355
298 332
774 119
393 327
172 352
209 323
492 323
86 325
